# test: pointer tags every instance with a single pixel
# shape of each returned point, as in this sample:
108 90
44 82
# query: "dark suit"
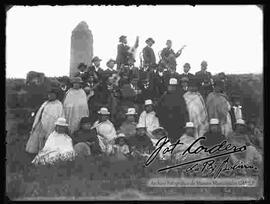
188 75
149 57
165 53
122 55
204 79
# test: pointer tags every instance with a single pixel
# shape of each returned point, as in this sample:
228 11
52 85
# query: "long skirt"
37 139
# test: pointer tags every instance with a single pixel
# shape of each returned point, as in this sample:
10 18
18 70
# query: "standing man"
122 52
96 66
149 57
168 56
186 73
205 80
172 111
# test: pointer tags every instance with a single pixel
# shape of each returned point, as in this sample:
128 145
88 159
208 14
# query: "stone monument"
81 50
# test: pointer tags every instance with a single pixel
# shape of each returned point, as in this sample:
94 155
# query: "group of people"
123 112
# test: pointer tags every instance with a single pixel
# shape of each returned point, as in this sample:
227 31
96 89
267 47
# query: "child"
121 149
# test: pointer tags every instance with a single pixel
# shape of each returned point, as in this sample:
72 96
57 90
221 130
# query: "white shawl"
75 107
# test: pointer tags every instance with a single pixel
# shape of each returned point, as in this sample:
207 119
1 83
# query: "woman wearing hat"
85 139
75 104
214 135
172 111
128 127
148 117
58 145
149 57
218 106
105 130
44 121
196 109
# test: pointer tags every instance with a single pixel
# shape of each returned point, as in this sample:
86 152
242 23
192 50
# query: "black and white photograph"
148 102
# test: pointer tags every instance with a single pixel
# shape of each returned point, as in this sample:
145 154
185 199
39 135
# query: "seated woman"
85 139
128 127
105 130
148 117
58 145
141 145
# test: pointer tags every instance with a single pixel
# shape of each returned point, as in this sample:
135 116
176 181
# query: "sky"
229 38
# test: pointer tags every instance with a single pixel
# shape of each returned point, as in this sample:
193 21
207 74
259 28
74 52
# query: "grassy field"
103 178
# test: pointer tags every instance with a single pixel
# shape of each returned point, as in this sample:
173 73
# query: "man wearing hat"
148 117
95 67
196 109
122 52
105 130
44 121
128 127
75 104
214 135
218 106
172 111
82 72
149 57
168 56
186 69
205 79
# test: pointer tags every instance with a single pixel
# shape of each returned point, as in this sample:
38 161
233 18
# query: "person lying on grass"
85 139
57 147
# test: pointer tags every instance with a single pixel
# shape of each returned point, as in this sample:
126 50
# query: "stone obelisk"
81 50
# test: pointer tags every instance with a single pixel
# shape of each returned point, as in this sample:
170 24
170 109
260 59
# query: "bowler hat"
61 122
96 59
110 60
122 37
173 81
85 120
150 40
214 121
131 111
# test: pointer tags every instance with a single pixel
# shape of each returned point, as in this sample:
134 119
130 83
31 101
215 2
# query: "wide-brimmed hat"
96 59
131 111
85 120
160 131
150 40
122 37
240 122
82 65
140 125
119 137
103 111
173 81
214 121
76 80
148 102
54 90
110 60
189 125
61 122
